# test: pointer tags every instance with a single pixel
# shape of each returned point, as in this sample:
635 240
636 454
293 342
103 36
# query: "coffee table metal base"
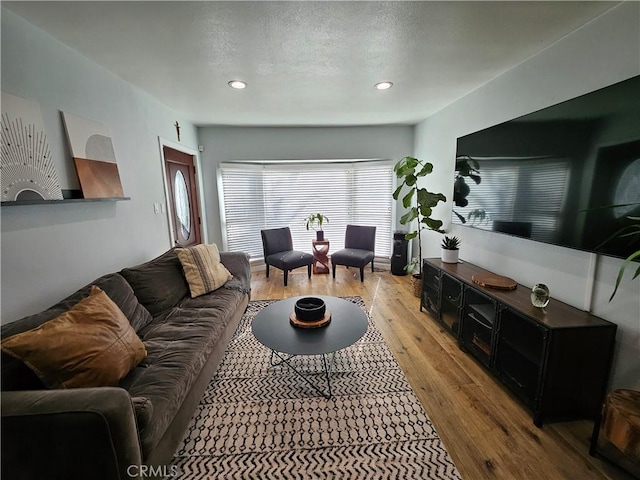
285 359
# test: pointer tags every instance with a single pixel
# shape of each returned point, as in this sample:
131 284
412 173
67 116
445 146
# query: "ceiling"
308 63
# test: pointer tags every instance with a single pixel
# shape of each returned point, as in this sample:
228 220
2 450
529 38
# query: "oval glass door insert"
181 199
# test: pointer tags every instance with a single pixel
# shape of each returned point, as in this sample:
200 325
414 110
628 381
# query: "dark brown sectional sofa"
99 433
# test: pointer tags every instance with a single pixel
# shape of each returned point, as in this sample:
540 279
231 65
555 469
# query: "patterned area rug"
262 422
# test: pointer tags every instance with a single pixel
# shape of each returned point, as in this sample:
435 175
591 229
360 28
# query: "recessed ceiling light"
383 85
237 84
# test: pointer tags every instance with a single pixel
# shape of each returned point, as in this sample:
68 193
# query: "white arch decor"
27 169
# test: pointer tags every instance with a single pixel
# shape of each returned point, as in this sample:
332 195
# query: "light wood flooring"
487 431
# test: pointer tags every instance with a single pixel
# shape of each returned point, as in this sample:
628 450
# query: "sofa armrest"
238 264
72 434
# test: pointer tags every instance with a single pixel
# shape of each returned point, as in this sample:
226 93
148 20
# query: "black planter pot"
320 235
309 309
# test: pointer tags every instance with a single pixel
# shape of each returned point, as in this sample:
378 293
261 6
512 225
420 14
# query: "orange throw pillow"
90 345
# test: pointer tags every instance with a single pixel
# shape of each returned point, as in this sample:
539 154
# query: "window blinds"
256 197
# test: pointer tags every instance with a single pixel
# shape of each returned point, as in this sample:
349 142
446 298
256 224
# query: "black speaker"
399 255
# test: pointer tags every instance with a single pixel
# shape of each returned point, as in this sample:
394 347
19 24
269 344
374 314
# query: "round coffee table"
272 328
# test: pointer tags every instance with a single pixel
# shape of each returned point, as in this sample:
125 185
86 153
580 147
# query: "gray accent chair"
278 252
359 243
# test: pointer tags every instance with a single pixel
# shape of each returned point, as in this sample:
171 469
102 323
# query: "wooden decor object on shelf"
98 179
491 280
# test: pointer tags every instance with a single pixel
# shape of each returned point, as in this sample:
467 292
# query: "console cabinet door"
519 358
451 294
478 319
430 298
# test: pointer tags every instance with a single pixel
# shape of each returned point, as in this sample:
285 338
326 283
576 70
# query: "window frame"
350 165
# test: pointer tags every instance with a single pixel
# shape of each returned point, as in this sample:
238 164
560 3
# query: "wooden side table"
320 257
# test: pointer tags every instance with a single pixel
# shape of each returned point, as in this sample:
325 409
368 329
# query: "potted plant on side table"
420 203
316 219
450 249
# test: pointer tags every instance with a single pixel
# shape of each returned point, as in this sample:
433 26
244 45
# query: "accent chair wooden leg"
334 270
286 277
371 266
309 270
362 274
267 270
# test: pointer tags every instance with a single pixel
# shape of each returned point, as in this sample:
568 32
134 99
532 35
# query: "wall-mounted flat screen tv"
567 175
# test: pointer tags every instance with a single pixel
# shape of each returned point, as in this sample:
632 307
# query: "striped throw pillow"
202 268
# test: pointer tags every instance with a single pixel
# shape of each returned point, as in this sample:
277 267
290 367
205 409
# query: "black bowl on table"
310 309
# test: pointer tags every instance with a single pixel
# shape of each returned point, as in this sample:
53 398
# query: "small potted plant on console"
450 249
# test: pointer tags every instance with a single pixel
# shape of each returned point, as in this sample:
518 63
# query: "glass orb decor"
540 295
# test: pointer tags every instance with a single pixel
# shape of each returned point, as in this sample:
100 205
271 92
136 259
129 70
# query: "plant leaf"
635 275
406 166
433 224
409 216
412 162
397 191
406 200
462 219
475 178
618 233
623 267
430 199
426 170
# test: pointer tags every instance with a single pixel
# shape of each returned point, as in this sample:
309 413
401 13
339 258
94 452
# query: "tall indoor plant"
418 200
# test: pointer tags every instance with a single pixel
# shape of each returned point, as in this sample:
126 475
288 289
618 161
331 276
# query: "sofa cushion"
90 345
113 284
223 298
143 409
238 265
202 268
289 260
159 284
352 257
17 376
179 342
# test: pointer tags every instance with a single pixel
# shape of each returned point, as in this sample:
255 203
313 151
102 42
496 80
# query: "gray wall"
224 144
601 53
48 251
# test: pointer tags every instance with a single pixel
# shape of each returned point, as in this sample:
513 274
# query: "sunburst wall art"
94 157
26 169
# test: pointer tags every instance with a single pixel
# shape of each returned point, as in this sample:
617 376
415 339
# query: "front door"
183 197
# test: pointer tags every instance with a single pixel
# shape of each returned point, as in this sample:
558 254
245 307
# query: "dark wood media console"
556 360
